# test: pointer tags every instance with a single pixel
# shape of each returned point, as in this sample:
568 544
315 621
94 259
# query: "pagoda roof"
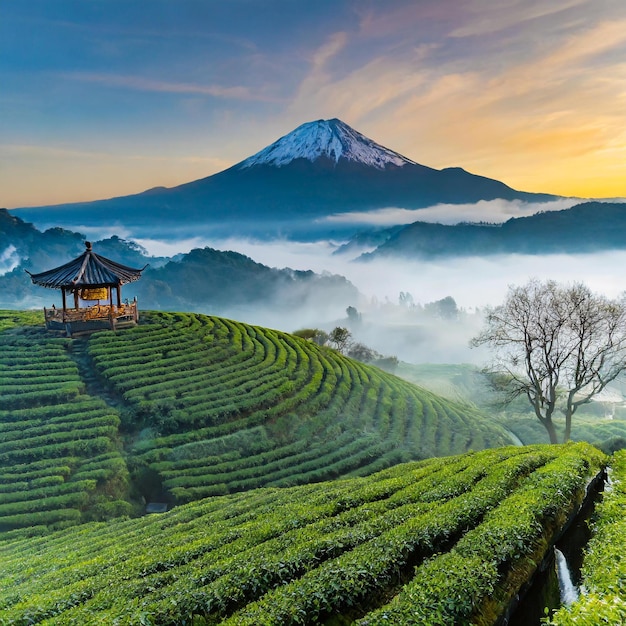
87 270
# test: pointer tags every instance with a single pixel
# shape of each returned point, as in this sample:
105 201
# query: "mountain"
586 227
320 169
23 243
232 284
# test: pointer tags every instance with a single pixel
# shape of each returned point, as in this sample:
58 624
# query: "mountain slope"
319 169
229 282
326 139
587 227
198 406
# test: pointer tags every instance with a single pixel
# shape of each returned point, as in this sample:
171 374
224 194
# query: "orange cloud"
553 117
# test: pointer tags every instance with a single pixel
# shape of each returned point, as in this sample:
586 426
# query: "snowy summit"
331 139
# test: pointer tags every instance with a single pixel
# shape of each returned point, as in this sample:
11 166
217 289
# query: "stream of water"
568 592
557 583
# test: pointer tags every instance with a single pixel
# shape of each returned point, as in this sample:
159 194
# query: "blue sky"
107 97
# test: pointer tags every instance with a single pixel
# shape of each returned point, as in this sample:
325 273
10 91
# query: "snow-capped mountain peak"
331 139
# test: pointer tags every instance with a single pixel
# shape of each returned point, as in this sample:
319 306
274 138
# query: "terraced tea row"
424 533
57 445
223 406
13 319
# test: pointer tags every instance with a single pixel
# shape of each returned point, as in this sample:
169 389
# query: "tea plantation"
239 429
440 541
187 406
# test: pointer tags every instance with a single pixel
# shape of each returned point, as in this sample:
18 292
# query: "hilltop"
186 406
221 282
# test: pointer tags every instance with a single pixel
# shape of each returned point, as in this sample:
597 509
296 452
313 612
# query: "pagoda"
91 280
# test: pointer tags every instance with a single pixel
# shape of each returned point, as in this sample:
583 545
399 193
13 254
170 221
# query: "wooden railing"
94 312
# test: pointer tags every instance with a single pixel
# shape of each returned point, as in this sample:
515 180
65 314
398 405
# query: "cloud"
551 121
474 282
9 259
537 101
139 83
493 211
317 77
380 82
485 17
325 53
157 247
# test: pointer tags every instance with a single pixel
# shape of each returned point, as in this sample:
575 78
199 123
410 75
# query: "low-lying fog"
407 332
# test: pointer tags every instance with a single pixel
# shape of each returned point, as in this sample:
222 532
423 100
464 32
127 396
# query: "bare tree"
557 345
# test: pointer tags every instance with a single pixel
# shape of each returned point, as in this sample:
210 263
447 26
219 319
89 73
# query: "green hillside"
59 454
441 541
186 406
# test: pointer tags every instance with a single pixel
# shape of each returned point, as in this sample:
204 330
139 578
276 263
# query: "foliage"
225 281
206 278
203 406
318 336
441 535
361 352
586 227
14 319
340 337
354 317
557 346
216 406
446 308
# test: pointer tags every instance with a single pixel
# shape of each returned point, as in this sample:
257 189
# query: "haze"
474 282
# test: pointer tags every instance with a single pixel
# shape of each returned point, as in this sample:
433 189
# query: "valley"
312 313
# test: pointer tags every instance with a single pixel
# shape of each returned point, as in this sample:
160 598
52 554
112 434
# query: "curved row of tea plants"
446 536
603 600
219 406
57 444
14 319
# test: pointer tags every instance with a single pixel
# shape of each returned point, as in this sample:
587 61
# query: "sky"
100 98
